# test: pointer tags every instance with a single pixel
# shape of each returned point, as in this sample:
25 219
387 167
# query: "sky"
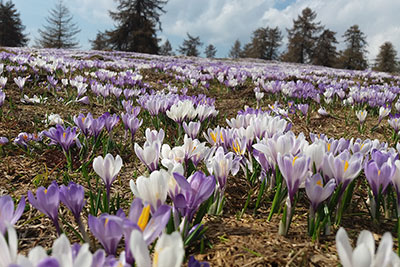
221 22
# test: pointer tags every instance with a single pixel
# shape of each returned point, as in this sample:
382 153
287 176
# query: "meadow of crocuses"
124 158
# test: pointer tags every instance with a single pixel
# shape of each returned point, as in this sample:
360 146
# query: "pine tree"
166 49
264 44
386 60
101 42
302 37
210 51
325 53
11 28
61 31
137 23
190 46
236 50
353 57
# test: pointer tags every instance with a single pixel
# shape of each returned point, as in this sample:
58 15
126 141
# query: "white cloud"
222 21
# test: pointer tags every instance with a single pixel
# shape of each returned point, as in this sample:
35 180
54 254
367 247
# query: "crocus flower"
7 214
97 126
322 111
317 192
110 121
194 263
20 82
361 115
62 255
133 125
84 100
139 214
149 154
192 129
379 171
108 229
394 122
2 97
53 119
84 122
138 218
364 253
9 253
73 196
47 201
152 190
383 112
169 250
220 165
107 168
65 137
303 108
294 170
316 152
343 168
396 183
194 191
3 140
3 81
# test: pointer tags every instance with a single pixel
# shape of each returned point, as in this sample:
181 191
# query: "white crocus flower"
63 253
152 189
53 119
361 115
364 253
169 251
8 252
107 168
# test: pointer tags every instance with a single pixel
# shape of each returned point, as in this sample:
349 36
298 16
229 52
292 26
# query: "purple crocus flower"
110 121
108 229
97 126
379 171
133 125
73 196
343 168
3 140
84 122
294 170
194 263
194 191
138 218
317 192
47 201
7 214
192 129
64 137
303 108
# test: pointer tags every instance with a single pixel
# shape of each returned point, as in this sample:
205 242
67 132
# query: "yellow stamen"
144 217
25 137
64 133
45 191
379 172
213 137
222 138
361 146
155 259
329 147
294 159
346 165
319 183
236 147
106 222
83 119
